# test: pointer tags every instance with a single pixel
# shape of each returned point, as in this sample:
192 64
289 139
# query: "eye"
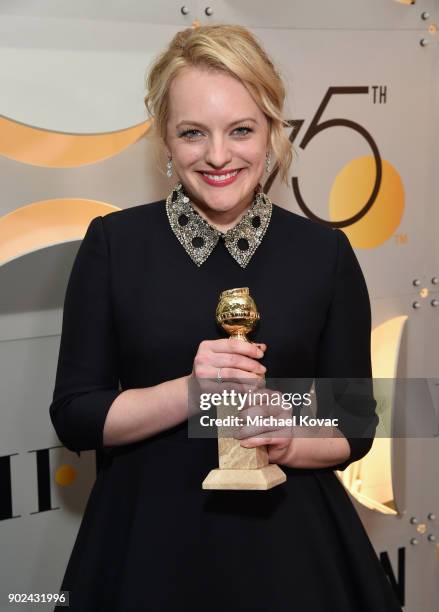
243 127
186 134
190 134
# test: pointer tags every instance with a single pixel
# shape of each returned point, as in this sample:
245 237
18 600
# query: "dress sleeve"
86 382
344 373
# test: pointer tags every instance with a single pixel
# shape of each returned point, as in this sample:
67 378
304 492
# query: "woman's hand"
236 363
234 359
276 436
279 449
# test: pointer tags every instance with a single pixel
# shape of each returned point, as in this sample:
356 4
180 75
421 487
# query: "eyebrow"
184 122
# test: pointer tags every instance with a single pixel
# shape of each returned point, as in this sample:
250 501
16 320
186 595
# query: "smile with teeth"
220 177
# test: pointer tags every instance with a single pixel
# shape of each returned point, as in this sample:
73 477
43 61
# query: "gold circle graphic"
352 188
65 475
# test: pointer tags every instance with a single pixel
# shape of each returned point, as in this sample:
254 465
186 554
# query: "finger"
211 386
236 375
240 384
243 388
255 441
256 406
254 415
265 402
266 441
238 362
233 345
249 431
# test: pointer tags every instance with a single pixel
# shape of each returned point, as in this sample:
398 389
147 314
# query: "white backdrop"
79 68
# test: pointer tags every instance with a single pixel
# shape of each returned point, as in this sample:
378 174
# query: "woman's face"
215 126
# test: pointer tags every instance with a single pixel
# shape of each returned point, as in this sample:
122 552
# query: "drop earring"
267 161
169 167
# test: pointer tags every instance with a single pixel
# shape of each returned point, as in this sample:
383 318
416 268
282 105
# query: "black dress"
151 538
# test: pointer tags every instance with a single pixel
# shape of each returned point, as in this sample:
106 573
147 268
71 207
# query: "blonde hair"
227 48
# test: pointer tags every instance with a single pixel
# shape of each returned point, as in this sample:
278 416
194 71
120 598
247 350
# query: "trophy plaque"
240 468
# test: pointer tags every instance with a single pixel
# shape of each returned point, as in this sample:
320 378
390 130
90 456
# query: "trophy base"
260 479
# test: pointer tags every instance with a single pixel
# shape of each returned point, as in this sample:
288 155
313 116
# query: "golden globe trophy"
239 467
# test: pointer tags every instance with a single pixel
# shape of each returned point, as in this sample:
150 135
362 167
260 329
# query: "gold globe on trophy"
240 468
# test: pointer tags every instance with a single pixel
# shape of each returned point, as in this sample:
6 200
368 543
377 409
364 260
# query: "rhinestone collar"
199 238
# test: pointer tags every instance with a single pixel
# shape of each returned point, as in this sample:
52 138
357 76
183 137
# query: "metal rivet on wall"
414 541
435 280
423 42
431 516
414 520
185 10
425 15
416 282
209 11
431 537
434 303
416 305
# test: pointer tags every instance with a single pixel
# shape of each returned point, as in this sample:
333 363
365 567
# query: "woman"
140 310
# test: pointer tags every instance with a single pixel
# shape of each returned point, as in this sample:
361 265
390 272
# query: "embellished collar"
199 238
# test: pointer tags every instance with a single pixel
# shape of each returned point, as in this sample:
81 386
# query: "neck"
222 221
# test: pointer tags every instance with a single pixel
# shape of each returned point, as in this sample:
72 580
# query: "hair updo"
231 49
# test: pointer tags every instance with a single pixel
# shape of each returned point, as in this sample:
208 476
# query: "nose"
218 153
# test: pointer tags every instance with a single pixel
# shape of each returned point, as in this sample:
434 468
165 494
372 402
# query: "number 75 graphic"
316 126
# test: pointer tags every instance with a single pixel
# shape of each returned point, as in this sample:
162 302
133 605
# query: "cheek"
255 154
192 159
185 157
